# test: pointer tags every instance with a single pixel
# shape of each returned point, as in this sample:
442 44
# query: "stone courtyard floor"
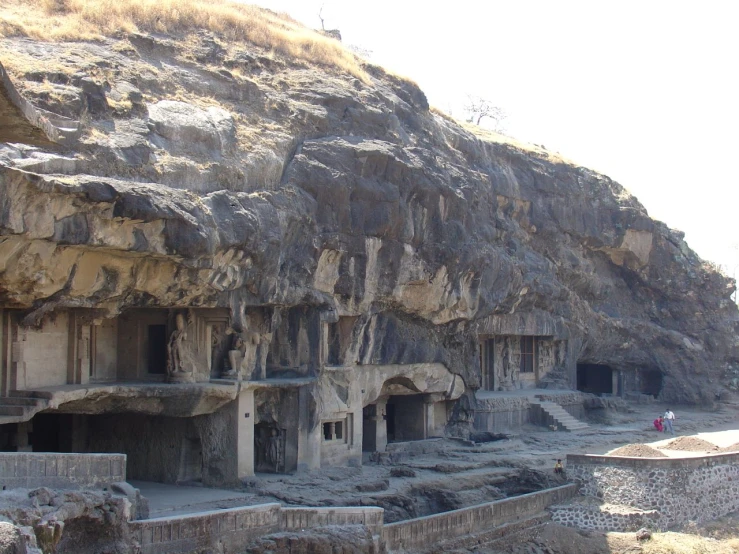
171 500
438 475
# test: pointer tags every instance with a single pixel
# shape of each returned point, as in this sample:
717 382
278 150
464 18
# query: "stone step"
12 410
38 394
562 418
18 401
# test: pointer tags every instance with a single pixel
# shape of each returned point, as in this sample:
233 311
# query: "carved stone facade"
190 387
511 362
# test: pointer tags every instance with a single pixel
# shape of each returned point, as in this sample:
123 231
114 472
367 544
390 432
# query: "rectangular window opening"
527 354
334 431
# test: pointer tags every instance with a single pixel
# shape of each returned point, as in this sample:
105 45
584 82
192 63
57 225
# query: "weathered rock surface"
49 520
346 539
188 183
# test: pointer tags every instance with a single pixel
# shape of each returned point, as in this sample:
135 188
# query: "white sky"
645 91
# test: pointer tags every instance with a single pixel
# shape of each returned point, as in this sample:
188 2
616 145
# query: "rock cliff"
189 170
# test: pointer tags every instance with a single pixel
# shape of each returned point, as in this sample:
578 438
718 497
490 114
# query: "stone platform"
509 411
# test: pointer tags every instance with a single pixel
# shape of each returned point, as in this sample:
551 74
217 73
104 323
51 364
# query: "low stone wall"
232 530
661 492
60 471
426 532
295 519
564 399
500 414
605 517
220 530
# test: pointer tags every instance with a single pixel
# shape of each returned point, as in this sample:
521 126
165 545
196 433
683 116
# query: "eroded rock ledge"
282 187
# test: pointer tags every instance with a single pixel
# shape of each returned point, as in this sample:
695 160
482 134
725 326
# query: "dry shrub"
54 6
70 20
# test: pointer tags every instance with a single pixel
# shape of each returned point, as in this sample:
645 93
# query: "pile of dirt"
637 451
733 448
690 444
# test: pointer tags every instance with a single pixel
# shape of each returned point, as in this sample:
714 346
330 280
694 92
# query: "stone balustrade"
60 470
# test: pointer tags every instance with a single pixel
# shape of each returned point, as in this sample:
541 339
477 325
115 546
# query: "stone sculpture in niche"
274 450
180 352
270 448
243 355
561 353
505 363
235 357
220 342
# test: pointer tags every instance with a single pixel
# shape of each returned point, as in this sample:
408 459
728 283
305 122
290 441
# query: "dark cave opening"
650 382
595 378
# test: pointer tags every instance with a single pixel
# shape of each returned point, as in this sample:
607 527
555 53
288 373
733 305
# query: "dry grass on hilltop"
71 20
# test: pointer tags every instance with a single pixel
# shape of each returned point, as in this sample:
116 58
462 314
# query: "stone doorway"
595 379
405 417
650 382
156 358
369 428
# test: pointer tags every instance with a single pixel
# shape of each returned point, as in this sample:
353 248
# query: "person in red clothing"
658 424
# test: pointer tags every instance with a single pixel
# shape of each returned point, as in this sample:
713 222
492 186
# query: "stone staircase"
20 406
556 415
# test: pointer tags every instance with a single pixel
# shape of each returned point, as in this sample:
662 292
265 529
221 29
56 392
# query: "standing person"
669 419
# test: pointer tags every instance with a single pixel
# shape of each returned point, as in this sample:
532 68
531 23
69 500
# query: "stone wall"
426 532
232 530
60 471
295 519
41 354
155 451
498 414
505 413
628 493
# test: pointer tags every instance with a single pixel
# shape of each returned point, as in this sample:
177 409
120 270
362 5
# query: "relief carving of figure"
545 354
269 448
179 352
274 450
235 357
561 353
505 361
243 355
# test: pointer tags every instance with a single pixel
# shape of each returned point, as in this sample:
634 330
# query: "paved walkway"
169 500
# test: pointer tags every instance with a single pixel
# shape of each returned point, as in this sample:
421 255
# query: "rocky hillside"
193 169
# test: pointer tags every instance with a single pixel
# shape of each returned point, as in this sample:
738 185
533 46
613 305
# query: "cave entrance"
650 382
156 359
405 419
45 433
369 428
595 378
